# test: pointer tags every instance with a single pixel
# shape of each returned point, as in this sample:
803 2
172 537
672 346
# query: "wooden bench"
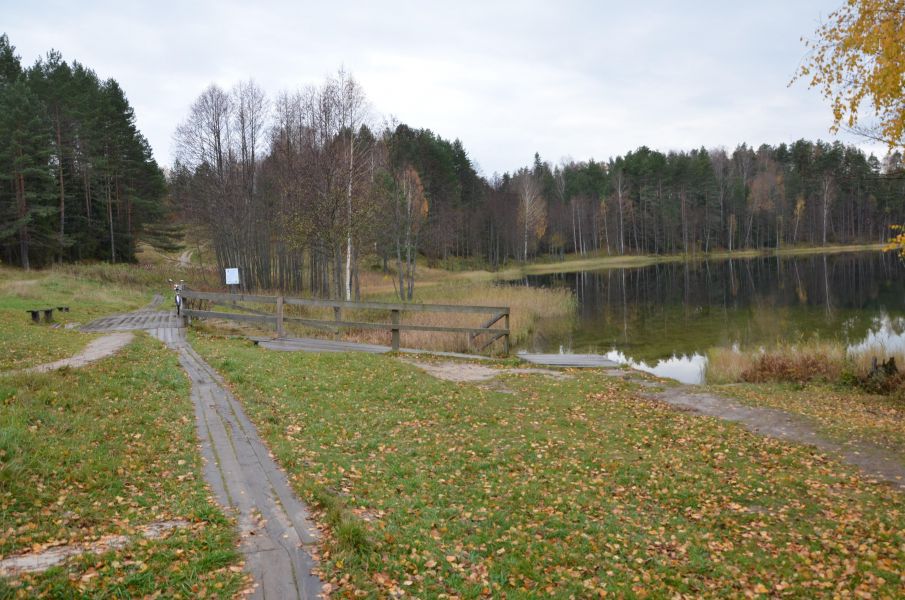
48 313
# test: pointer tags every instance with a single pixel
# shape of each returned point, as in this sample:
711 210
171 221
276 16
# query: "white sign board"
232 276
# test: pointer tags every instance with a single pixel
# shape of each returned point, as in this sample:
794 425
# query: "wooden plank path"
277 535
146 318
143 319
315 345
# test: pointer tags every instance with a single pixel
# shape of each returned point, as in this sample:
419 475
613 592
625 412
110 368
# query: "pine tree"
24 161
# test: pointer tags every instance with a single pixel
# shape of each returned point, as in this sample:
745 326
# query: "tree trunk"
574 231
826 206
62 192
110 221
22 206
621 220
348 280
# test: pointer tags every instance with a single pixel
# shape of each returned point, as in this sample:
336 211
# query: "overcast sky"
567 79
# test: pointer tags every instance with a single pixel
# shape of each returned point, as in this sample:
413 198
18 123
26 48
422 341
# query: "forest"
298 190
77 179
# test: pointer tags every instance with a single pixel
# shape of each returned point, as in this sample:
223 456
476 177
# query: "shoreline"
600 263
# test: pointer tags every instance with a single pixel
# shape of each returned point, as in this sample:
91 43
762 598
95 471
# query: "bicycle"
177 290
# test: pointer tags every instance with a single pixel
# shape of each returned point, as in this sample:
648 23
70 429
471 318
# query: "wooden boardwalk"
277 534
142 319
314 345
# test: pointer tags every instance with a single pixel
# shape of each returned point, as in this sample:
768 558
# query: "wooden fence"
279 318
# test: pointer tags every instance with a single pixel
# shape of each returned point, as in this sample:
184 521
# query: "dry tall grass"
144 277
815 360
527 306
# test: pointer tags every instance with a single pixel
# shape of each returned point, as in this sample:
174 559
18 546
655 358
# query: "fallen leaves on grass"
102 453
564 488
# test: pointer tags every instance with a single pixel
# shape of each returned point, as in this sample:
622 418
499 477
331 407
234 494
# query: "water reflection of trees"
670 308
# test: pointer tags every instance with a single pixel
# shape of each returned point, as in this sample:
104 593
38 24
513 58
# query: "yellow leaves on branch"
413 194
897 242
859 55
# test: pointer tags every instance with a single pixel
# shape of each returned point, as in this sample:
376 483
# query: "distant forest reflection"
680 310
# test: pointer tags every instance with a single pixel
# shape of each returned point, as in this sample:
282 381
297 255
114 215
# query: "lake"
663 318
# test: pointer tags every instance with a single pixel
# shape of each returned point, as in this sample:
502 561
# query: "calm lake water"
664 318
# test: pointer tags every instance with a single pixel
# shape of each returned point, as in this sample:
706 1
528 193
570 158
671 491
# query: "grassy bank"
101 451
574 263
838 390
26 344
573 488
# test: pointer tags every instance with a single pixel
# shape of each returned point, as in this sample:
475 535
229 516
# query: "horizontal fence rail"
279 319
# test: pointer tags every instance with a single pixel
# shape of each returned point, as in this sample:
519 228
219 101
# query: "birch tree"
411 209
352 110
532 209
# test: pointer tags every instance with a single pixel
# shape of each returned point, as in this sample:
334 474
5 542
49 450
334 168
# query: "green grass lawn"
26 344
102 450
560 488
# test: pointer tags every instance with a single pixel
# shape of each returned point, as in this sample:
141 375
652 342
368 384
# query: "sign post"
232 279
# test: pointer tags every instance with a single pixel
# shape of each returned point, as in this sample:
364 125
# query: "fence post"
337 317
280 329
506 335
394 317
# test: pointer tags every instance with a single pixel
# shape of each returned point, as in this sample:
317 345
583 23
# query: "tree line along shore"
298 189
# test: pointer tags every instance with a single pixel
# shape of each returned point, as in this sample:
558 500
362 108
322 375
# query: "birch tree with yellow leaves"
858 58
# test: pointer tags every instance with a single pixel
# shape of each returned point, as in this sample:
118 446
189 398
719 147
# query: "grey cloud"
584 79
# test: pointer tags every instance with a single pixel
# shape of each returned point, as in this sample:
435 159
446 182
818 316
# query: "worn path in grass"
97 349
110 344
277 533
873 460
